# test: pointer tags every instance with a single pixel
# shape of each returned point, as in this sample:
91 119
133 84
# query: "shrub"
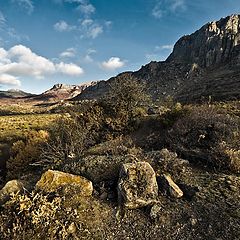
125 102
25 152
34 216
73 133
207 134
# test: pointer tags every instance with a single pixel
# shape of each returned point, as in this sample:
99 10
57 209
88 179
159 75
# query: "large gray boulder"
137 186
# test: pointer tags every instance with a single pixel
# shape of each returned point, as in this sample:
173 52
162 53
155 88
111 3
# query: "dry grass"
15 127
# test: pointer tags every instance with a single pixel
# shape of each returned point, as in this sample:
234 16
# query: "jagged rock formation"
205 63
214 43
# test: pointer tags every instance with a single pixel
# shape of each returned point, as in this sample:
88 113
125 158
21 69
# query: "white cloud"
63 26
68 53
159 53
177 4
164 47
90 29
113 63
157 11
69 69
19 61
26 4
87 22
162 7
95 31
86 8
88 58
6 79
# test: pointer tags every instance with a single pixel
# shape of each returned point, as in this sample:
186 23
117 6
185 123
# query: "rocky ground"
158 197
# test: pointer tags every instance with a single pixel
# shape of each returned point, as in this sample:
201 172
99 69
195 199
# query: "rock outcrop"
52 181
215 43
137 185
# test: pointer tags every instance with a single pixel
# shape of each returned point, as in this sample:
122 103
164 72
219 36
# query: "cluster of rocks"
138 185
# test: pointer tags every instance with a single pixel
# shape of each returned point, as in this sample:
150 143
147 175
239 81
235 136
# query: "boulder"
99 168
52 181
169 186
137 186
10 187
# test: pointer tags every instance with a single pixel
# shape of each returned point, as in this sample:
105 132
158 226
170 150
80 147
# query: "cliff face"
215 43
205 63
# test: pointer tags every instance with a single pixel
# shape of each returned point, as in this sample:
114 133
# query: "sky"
44 42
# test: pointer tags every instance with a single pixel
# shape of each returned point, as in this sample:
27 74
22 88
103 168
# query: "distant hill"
14 93
203 64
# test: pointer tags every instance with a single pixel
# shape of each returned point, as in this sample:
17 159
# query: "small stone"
52 181
156 208
168 185
193 221
10 187
137 186
72 228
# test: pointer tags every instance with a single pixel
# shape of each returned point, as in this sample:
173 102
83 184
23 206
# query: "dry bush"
207 134
119 146
73 133
25 152
35 216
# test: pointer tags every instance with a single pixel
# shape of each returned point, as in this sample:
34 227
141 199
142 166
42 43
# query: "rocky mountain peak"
213 44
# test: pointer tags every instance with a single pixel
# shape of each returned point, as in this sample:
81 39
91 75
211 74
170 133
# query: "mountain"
14 93
57 93
202 65
62 92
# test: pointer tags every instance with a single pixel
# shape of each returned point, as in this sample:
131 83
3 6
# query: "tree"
126 98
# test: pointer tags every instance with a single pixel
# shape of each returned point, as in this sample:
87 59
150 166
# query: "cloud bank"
19 61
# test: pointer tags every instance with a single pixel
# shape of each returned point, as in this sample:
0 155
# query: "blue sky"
43 42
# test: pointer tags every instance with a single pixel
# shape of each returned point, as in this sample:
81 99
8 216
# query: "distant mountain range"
202 65
57 93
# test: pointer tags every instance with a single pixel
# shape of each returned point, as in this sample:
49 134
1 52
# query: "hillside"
14 93
205 63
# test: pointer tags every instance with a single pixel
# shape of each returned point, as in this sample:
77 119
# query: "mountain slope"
14 93
203 64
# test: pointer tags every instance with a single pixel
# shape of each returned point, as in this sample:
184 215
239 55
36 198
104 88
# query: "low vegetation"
94 138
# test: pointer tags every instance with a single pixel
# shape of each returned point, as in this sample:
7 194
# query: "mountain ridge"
203 64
